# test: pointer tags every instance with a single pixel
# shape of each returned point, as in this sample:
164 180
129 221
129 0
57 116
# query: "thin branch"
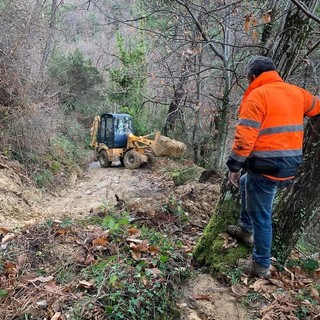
203 34
306 11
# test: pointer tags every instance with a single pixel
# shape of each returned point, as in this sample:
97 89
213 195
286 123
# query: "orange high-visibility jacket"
269 135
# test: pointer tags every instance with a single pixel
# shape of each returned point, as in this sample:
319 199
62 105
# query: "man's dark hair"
259 65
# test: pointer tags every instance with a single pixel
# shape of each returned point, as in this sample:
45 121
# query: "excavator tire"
132 159
104 159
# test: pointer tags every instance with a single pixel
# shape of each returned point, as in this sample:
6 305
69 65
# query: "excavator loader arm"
161 146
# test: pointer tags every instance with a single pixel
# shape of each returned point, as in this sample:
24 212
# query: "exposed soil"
216 304
62 249
143 193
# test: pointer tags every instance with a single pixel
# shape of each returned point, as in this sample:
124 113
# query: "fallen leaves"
201 297
10 268
239 290
229 242
6 239
86 284
155 272
288 291
140 248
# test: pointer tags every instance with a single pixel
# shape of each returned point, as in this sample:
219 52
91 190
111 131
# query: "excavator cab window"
122 127
114 130
106 133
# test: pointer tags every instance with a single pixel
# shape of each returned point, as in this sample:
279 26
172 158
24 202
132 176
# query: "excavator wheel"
132 159
104 159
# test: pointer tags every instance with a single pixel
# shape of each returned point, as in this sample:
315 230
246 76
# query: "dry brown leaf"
298 272
89 259
8 237
255 35
187 249
266 17
21 260
239 290
154 272
153 249
307 281
99 242
277 282
316 275
136 255
245 280
143 246
134 232
144 281
201 297
86 284
4 230
61 232
97 248
278 296
254 22
136 241
314 293
229 242
133 246
259 285
247 23
52 287
56 316
10 268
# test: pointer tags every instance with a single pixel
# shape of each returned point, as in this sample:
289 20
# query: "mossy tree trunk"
209 249
298 204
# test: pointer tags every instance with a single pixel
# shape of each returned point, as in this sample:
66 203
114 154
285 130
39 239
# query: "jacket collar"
264 78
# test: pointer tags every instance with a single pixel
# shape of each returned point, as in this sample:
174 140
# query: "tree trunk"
224 111
177 103
49 41
209 249
291 37
298 205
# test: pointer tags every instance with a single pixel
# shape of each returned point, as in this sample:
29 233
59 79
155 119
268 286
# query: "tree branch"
306 11
203 34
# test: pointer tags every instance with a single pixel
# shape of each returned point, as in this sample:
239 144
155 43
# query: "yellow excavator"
113 140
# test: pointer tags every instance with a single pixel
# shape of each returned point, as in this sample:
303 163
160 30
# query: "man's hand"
234 178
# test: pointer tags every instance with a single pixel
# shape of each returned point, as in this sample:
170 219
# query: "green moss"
209 249
183 176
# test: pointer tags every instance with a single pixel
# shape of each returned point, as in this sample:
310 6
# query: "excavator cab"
114 130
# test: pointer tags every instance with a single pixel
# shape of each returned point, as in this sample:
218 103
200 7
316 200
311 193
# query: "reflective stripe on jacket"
269 134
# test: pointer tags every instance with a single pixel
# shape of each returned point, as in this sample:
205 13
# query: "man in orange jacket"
268 143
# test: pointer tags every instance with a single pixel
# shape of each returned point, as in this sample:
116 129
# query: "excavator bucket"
166 147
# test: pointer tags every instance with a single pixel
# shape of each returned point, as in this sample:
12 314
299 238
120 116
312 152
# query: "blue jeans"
257 195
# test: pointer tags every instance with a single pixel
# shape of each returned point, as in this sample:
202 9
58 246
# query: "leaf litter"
44 267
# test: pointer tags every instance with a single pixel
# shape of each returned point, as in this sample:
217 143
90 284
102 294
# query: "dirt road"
98 187
21 205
